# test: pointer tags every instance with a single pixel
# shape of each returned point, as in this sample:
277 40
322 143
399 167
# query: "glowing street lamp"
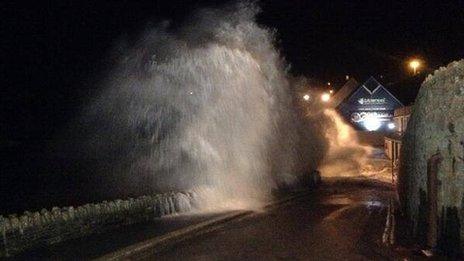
325 97
414 64
306 97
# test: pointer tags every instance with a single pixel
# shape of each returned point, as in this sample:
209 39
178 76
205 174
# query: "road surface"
342 220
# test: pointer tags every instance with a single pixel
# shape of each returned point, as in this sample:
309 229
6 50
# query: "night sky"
53 53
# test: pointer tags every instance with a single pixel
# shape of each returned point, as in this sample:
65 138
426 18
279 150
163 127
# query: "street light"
325 97
414 64
306 97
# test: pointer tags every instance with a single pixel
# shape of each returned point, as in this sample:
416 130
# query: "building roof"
405 89
371 85
347 89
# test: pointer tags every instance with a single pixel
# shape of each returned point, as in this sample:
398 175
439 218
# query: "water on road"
342 220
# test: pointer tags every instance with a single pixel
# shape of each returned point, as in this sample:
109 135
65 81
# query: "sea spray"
334 144
205 106
346 157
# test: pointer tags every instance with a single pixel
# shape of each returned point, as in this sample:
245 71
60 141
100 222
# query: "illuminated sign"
359 116
370 106
370 101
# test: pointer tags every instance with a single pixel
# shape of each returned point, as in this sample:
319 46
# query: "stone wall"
19 233
436 128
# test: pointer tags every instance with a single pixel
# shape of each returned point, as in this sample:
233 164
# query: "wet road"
339 221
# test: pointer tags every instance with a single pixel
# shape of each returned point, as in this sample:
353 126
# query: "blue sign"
370 107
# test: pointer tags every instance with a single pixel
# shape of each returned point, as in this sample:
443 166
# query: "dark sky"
51 52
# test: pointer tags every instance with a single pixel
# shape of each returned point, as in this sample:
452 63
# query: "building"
368 106
401 117
393 140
